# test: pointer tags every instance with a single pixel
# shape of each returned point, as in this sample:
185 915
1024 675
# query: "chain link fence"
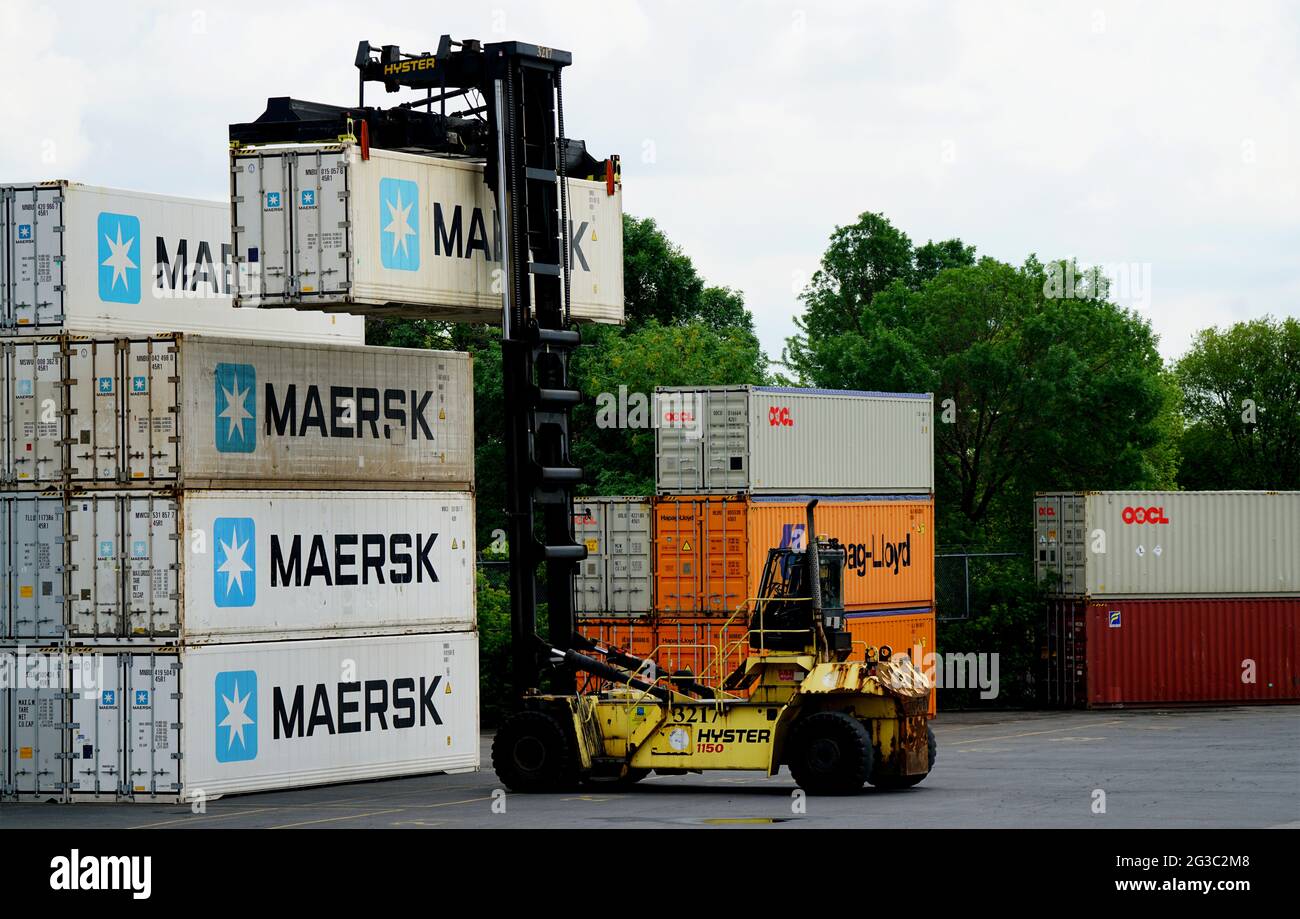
957 576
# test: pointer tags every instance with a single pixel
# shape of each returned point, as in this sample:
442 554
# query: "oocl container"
223 566
77 257
187 724
710 550
1174 651
321 226
1169 543
615 578
216 412
777 440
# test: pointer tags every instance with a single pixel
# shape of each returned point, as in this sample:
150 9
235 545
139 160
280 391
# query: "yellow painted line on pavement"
288 826
194 818
954 743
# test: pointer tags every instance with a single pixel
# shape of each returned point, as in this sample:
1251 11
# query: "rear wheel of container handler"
830 754
532 753
907 781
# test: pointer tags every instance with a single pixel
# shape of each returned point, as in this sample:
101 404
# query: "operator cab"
784 617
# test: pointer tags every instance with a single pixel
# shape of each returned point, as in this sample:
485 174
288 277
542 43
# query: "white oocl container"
225 566
615 578
189 724
87 259
1168 543
320 227
778 440
212 412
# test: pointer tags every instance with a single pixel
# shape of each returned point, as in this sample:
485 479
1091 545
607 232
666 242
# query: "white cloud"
1161 134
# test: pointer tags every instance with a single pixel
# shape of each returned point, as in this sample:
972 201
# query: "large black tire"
532 753
889 782
830 754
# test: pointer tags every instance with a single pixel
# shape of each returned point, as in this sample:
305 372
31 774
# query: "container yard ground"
1171 769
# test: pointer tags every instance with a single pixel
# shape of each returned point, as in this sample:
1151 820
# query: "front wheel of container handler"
907 781
531 753
830 754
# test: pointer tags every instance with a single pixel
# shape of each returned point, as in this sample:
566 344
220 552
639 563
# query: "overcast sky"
1160 137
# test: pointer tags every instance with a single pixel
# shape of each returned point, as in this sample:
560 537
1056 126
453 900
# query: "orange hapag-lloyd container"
909 632
710 550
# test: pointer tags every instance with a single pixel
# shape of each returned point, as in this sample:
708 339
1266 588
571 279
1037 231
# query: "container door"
679 442
8 665
37 567
95 734
94 411
96 554
320 224
1074 545
152 565
31 266
677 555
725 566
36 405
150 392
628 559
37 717
726 442
153 748
589 595
1049 524
262 189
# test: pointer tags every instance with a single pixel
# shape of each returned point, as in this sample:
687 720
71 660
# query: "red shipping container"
1150 652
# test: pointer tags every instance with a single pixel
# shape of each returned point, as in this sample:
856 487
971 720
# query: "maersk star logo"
236 401
234 564
119 257
399 220
236 716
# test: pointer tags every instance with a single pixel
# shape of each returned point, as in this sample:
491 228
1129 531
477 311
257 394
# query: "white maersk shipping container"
1111 544
87 259
186 724
214 412
615 578
321 227
227 566
780 440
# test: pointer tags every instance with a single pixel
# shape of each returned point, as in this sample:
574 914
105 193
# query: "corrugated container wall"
911 633
168 724
212 412
774 440
1176 651
318 226
98 260
1169 544
221 566
615 578
710 550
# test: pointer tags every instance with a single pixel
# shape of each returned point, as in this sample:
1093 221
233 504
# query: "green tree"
1241 400
659 280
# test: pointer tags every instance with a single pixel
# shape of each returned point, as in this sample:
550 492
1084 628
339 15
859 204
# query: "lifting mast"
520 89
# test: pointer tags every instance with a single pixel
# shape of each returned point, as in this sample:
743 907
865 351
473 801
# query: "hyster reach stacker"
796 700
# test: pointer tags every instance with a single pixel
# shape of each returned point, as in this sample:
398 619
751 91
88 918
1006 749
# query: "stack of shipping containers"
736 467
237 547
1170 597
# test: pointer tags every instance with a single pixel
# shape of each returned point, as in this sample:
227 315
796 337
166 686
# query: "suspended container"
776 440
216 412
191 724
98 260
326 226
